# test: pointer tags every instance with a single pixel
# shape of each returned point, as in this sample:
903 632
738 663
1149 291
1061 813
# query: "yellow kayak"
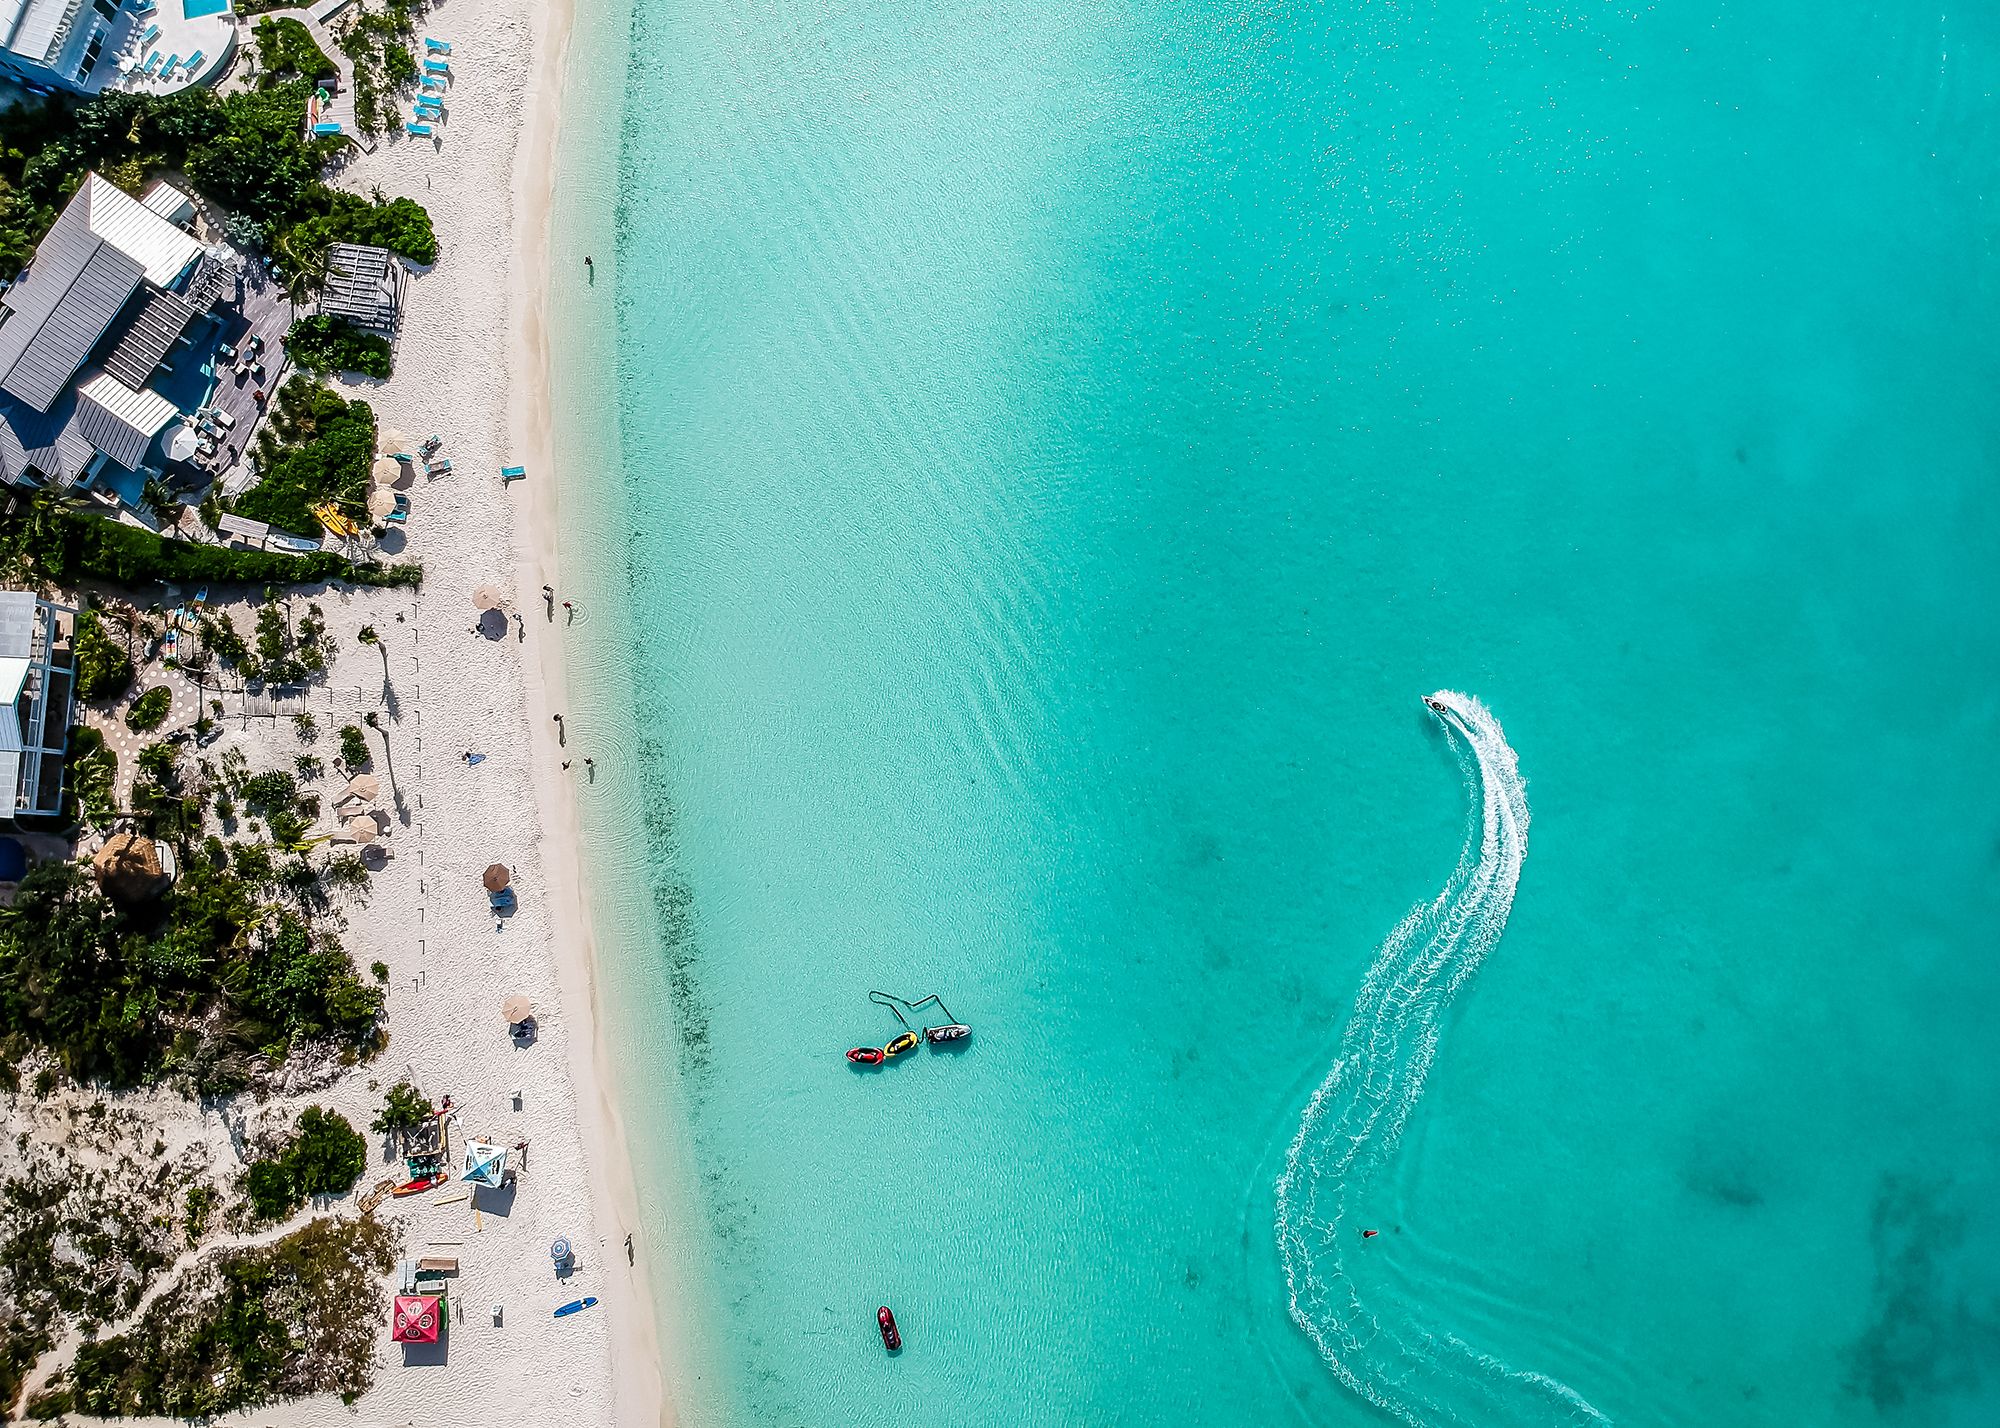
329 516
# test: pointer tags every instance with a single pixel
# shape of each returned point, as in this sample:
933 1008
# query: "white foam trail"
1354 1120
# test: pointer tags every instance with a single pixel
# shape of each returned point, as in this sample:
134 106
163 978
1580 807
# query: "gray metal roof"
17 623
59 309
145 335
360 286
48 442
118 421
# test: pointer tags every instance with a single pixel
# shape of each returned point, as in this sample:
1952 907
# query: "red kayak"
884 1320
417 1187
866 1055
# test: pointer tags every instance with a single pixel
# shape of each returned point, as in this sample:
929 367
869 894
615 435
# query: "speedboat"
905 1042
892 1339
1436 706
867 1055
951 1031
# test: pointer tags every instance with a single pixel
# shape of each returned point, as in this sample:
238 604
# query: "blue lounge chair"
402 511
429 109
326 128
172 63
194 60
152 65
437 47
422 131
435 66
513 473
438 468
152 34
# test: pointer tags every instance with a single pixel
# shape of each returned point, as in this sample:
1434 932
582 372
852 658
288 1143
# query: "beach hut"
417 1319
132 868
485 1164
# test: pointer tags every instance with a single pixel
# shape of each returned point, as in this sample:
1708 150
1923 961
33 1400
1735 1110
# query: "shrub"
286 49
328 1156
269 1185
354 750
332 344
149 710
103 670
404 1109
270 792
317 448
78 547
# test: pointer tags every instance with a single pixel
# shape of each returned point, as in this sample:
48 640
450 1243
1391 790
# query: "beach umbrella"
485 1164
493 624
362 829
560 1251
365 786
380 503
386 471
416 1320
497 877
184 444
517 1009
488 597
390 442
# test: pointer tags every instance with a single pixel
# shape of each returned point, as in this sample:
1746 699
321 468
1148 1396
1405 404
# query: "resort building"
88 46
37 671
102 343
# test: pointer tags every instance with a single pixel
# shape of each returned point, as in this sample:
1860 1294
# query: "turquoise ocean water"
1038 458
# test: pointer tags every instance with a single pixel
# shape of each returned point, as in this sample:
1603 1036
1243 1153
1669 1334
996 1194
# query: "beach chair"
152 34
430 113
172 63
402 511
434 66
329 127
194 60
513 473
438 468
422 131
436 47
152 65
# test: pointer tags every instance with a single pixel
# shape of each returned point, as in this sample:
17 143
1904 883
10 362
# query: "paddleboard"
573 1306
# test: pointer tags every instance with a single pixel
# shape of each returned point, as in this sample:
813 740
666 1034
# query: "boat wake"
1422 1377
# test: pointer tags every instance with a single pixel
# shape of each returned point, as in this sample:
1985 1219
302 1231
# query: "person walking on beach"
628 1250
591 765
565 765
549 595
590 269
561 737
569 612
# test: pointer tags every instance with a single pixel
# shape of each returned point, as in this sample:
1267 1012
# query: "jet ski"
892 1339
951 1031
907 1041
867 1056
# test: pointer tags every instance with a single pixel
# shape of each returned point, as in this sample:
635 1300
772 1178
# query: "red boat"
884 1320
867 1055
418 1186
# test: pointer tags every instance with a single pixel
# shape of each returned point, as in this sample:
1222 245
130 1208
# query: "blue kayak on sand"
573 1306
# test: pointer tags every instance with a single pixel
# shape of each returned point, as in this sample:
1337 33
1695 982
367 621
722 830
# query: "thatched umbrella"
517 1009
386 471
128 868
365 786
497 877
362 828
390 442
381 503
488 597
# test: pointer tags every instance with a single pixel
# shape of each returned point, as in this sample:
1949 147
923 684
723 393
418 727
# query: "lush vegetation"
92 784
103 670
287 50
332 344
325 1156
354 750
378 44
404 1109
53 543
211 982
316 447
149 710
298 1317
246 152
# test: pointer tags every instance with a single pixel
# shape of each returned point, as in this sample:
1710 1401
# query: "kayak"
866 1055
892 1338
574 1306
417 1187
906 1042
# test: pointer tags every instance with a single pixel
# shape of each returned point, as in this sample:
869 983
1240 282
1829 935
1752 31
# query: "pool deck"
212 36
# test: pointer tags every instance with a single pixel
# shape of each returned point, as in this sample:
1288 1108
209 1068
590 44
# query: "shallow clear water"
1057 447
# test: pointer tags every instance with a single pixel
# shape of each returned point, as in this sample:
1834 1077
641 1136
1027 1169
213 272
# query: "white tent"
485 1164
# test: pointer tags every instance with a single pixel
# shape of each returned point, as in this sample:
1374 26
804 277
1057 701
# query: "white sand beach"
471 368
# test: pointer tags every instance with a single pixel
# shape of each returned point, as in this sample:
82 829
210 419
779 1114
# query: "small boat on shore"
419 1185
953 1031
867 1056
907 1041
892 1338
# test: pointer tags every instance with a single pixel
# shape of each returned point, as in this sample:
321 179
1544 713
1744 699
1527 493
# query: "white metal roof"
142 410
142 235
169 202
13 674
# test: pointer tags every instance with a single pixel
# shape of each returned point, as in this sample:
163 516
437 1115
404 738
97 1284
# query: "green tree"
103 670
404 1109
149 710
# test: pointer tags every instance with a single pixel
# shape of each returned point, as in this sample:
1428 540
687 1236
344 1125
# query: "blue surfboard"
574 1306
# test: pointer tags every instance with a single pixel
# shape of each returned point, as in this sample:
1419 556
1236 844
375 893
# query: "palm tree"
159 498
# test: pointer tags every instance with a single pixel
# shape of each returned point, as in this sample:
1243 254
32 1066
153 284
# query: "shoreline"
638 1374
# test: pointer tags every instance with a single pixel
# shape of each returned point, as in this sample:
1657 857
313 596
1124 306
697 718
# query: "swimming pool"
196 9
